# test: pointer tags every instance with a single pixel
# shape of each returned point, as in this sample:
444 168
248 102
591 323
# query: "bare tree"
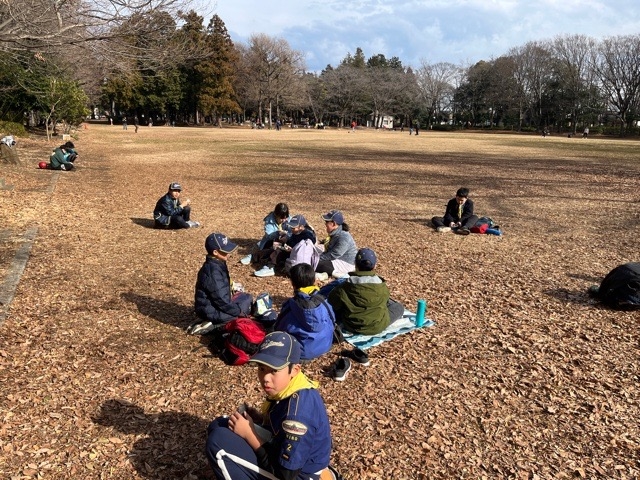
618 68
274 73
436 85
31 28
576 54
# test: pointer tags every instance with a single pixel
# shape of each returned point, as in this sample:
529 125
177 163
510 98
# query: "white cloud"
457 31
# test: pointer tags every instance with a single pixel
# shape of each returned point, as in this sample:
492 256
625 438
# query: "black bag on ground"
620 289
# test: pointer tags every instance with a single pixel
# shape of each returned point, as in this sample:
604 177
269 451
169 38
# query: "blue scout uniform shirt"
302 437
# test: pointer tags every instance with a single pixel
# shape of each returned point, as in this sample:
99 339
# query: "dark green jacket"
360 303
58 158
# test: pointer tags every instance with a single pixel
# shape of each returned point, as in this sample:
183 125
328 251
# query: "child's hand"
242 425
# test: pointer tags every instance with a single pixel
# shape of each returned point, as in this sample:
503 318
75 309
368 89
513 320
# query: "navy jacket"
166 207
301 435
213 293
451 214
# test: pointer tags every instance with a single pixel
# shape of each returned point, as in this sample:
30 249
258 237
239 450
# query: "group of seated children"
358 303
289 240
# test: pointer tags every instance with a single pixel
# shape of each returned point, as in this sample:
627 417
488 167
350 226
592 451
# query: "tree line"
61 61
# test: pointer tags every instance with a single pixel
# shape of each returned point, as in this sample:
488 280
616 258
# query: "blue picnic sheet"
405 325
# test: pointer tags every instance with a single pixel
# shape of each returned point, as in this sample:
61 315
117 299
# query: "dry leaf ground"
523 377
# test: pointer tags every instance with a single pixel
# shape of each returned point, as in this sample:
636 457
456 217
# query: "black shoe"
343 365
358 356
463 231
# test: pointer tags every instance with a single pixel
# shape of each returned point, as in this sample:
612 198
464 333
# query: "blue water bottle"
421 312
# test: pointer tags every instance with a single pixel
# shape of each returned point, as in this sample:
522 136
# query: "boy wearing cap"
361 303
340 248
214 303
170 212
298 248
295 439
458 215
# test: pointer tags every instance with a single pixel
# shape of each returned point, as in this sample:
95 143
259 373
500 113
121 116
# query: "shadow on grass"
166 312
143 222
579 297
172 445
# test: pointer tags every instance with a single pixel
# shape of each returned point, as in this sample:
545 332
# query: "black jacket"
451 214
213 293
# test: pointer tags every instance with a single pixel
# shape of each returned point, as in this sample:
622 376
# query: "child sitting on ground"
214 303
307 315
275 229
361 302
298 248
289 437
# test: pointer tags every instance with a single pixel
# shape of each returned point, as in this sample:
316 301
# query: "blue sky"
457 31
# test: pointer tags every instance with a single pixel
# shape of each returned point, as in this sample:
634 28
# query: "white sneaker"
322 277
265 272
443 229
246 260
193 224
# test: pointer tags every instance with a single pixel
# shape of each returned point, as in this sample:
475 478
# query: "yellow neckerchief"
299 382
309 290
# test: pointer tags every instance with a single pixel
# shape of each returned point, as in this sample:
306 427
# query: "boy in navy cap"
361 303
288 437
170 212
214 303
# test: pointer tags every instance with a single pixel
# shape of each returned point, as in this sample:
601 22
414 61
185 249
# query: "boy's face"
175 193
330 226
275 381
461 200
220 255
297 230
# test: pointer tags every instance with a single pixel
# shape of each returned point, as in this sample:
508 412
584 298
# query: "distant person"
171 213
62 157
136 124
417 126
124 123
585 133
458 215
353 126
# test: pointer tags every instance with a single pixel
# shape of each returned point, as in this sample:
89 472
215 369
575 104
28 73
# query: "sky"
461 32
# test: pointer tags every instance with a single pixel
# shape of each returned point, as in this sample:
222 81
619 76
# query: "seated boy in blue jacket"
214 302
307 316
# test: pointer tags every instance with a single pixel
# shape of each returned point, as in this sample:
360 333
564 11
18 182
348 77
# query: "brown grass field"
523 377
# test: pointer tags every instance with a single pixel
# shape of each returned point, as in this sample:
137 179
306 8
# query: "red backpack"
242 337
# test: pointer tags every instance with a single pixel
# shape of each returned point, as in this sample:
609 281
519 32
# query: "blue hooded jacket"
310 319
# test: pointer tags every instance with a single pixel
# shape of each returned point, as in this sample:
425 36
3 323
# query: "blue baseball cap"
219 241
277 350
366 259
175 186
297 221
334 216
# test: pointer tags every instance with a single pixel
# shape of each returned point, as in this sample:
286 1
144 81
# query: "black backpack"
620 289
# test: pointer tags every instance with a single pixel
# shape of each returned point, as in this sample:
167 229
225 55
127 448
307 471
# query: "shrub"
12 128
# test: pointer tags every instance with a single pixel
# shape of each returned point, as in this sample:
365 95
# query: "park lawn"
524 376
